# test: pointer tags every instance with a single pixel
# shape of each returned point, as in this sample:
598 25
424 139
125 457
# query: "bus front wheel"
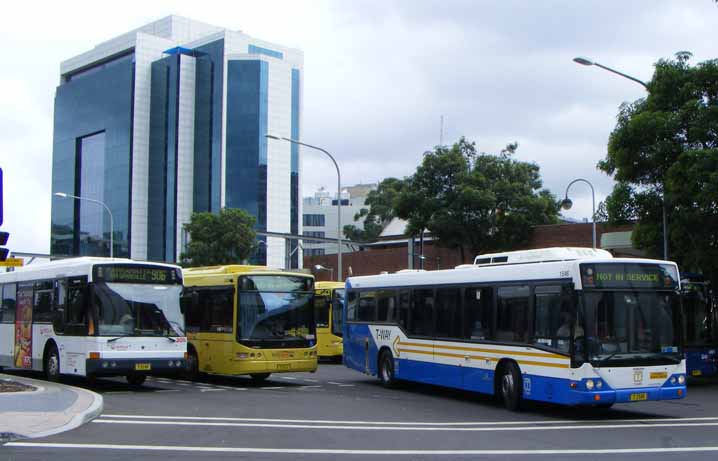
51 364
136 380
510 386
192 366
386 369
259 377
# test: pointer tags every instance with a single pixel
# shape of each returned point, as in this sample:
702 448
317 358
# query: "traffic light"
3 241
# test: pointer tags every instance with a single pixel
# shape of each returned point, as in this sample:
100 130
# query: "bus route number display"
652 276
135 274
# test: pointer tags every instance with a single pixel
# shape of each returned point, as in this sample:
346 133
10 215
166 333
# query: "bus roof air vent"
540 256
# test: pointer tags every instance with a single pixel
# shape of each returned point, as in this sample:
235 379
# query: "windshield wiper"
112 340
171 339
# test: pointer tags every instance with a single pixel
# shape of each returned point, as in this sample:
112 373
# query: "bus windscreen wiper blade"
111 340
171 339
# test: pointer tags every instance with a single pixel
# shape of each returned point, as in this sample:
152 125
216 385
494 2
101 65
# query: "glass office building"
167 120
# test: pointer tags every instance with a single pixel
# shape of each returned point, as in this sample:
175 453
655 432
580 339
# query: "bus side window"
386 306
367 306
321 311
550 315
58 320
422 313
478 313
7 309
448 313
404 303
76 309
43 304
512 313
352 298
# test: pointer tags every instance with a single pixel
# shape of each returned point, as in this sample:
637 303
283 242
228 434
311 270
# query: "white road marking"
182 384
272 388
336 384
288 378
607 451
411 428
309 380
347 385
211 389
309 387
404 423
167 390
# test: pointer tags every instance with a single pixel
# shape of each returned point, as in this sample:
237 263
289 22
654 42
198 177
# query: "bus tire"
51 363
386 369
511 386
136 379
192 365
259 377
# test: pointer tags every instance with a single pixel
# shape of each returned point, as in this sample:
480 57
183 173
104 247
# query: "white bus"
93 317
572 326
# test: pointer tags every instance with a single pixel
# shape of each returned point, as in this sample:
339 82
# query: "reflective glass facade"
294 186
246 157
162 192
208 126
100 101
254 49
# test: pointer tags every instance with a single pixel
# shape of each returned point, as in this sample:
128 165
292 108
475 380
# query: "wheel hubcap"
507 385
52 365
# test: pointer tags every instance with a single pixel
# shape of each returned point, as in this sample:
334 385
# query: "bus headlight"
105 364
171 363
589 384
599 384
681 379
673 380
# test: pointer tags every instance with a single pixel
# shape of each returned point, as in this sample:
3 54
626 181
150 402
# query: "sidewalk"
49 409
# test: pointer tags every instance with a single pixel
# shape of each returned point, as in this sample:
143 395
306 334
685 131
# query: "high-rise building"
170 119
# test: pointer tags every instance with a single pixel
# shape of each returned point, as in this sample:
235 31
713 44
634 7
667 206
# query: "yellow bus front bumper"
245 367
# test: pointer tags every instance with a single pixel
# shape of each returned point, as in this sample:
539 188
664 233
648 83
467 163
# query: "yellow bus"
328 302
249 320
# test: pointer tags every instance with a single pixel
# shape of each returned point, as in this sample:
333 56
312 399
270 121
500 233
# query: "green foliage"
380 212
619 207
216 239
664 148
473 201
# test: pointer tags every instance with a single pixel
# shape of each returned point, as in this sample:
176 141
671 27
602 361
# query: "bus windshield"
130 309
625 328
337 305
275 311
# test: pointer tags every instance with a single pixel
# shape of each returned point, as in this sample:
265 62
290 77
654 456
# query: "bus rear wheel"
259 377
136 380
510 386
51 364
386 369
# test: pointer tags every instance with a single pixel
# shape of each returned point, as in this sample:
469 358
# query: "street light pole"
339 197
589 62
566 204
112 225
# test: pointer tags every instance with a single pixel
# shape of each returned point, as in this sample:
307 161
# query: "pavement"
48 409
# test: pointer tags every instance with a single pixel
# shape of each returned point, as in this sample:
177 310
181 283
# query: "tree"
664 152
216 239
380 212
479 202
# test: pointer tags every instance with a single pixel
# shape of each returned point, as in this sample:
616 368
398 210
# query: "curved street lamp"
319 267
566 204
339 197
112 226
584 61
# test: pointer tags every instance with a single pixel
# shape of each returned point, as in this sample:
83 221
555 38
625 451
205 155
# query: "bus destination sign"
631 275
131 273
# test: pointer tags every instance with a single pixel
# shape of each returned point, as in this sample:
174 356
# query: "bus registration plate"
143 366
639 396
284 366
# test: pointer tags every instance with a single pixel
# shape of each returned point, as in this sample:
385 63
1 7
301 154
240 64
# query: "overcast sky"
378 77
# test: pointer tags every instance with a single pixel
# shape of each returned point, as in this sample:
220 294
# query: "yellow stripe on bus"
478 357
490 351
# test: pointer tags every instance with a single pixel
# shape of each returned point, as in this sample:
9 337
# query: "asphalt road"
338 413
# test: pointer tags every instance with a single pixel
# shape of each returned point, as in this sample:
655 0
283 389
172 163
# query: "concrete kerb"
79 413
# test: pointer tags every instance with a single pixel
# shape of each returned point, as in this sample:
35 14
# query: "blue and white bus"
572 326
701 317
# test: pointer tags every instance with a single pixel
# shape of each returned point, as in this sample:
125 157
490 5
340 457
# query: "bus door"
23 326
448 327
